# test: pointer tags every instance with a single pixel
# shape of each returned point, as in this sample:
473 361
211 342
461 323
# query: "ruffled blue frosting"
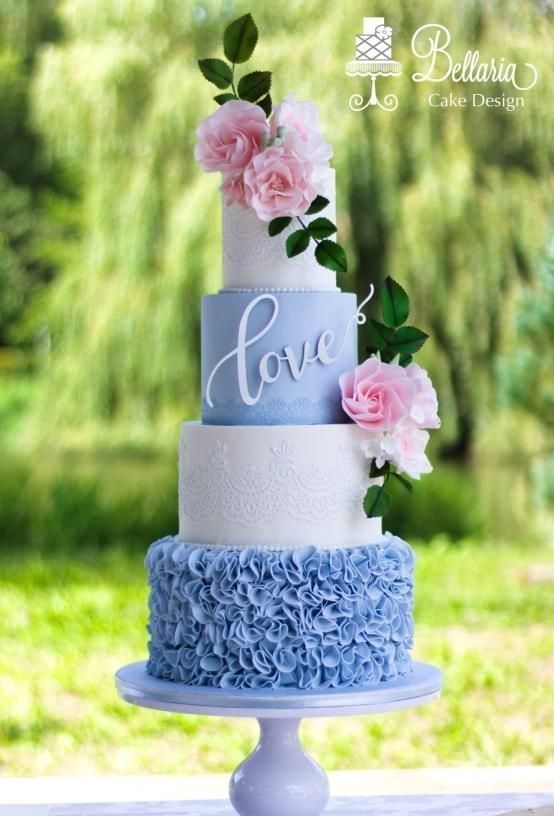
302 618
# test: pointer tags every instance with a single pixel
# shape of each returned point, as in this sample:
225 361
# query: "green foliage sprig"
327 253
391 339
239 41
377 499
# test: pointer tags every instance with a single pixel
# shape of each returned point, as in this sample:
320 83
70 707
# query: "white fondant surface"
274 487
252 259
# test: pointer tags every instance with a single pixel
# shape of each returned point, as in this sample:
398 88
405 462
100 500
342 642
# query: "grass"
67 622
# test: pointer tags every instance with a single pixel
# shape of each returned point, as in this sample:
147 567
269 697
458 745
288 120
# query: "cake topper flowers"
273 159
393 399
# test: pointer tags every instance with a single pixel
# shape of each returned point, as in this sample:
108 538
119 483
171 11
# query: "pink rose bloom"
278 182
404 447
229 138
233 189
377 395
302 134
425 408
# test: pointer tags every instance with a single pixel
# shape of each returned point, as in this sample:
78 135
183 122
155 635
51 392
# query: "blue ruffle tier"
302 618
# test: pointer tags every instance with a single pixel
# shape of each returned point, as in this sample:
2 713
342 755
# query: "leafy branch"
377 500
392 341
327 253
390 338
239 41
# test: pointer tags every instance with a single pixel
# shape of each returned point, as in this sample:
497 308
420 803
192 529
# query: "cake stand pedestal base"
389 103
279 777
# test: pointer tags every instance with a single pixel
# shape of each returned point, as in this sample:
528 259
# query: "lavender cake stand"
278 777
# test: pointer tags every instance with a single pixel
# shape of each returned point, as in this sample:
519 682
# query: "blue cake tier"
274 358
304 618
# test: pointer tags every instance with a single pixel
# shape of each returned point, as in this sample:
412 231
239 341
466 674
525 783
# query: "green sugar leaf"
277 225
407 340
221 99
321 228
375 472
378 336
255 85
216 71
297 242
376 502
240 38
266 105
319 203
395 303
332 256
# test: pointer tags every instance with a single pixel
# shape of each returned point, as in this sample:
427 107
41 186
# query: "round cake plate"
278 777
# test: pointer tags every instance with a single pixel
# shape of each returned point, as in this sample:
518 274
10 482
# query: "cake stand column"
279 777
373 98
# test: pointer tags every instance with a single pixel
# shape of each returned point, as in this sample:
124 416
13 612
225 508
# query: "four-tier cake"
280 574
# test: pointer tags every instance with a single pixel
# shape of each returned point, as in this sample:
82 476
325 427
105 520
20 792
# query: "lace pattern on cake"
301 411
255 494
246 242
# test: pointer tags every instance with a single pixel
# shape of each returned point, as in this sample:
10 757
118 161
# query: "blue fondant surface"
302 618
302 411
300 318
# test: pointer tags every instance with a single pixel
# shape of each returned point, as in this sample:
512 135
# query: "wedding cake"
281 575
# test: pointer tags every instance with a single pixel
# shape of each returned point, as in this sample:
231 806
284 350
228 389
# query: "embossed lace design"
246 242
254 494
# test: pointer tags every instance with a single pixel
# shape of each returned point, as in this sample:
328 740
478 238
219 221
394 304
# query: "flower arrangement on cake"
393 399
274 160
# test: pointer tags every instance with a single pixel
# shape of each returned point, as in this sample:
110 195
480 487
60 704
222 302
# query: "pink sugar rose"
278 182
377 395
302 131
229 138
425 408
233 189
404 447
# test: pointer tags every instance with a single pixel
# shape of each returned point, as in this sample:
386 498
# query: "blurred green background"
109 235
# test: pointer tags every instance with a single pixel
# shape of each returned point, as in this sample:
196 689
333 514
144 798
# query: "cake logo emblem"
431 46
374 59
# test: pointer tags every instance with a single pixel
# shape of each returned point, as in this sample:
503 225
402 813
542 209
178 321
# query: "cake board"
278 777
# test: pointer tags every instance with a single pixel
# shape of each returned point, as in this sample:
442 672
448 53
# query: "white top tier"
371 23
274 487
254 260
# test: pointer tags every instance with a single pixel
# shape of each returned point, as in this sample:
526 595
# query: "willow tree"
29 185
451 202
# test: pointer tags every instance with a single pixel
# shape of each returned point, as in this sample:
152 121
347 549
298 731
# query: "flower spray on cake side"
273 158
393 399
